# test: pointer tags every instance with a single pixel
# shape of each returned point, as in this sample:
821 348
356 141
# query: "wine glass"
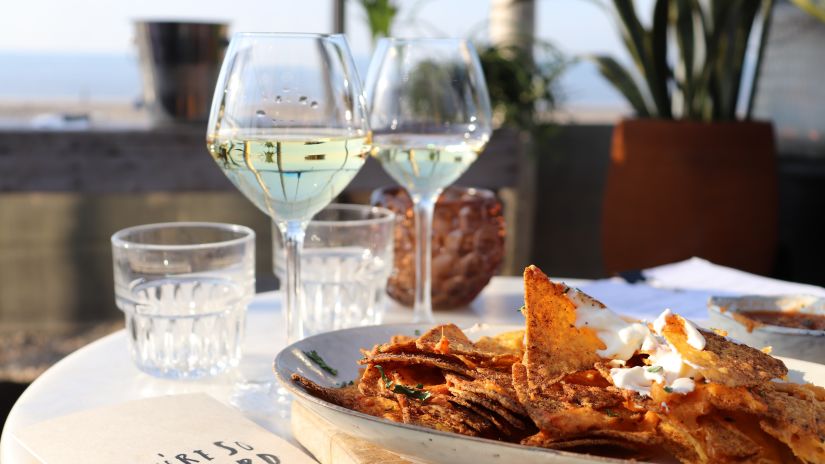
430 116
289 128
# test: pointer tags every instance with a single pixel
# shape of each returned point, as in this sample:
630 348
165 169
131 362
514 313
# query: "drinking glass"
184 287
288 127
346 262
430 116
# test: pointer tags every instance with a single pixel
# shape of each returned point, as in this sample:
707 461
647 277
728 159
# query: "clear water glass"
346 262
183 288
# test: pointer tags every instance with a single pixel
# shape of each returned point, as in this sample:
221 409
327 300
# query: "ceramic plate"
340 349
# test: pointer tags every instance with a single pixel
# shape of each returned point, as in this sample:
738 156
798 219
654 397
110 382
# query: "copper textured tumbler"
467 244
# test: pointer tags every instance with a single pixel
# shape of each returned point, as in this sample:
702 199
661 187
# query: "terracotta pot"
467 244
681 189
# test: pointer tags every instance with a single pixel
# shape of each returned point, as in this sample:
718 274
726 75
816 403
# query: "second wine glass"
430 116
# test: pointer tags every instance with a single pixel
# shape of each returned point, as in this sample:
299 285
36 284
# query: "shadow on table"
9 392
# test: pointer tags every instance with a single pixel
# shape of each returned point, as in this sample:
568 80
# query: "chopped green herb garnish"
610 413
412 393
387 382
417 333
346 384
668 389
317 359
655 369
416 392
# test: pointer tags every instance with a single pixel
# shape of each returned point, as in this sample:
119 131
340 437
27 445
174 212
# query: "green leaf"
421 395
623 82
380 16
767 13
815 8
660 71
416 393
731 78
317 359
387 382
633 33
686 40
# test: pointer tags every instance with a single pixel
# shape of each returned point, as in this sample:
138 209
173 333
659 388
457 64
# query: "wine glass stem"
423 206
293 234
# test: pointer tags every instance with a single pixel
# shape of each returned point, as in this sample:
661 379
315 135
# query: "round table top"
102 372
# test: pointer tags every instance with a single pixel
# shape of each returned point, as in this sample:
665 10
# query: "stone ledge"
25 354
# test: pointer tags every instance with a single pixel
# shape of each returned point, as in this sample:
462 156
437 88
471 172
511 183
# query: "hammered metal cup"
468 244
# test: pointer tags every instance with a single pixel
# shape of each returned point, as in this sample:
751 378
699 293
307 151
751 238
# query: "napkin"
685 288
700 274
162 430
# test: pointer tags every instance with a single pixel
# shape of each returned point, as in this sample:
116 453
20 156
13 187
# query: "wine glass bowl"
431 118
287 124
289 128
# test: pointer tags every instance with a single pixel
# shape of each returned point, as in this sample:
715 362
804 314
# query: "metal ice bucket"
179 65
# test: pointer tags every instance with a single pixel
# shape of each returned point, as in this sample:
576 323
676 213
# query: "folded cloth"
685 288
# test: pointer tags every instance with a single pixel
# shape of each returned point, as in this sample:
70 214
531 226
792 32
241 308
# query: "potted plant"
691 174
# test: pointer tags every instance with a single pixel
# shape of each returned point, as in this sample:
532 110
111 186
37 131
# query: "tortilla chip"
724 442
497 408
446 339
345 397
604 446
592 397
555 414
371 383
398 344
477 418
441 362
438 416
680 443
504 343
807 447
798 423
554 346
378 406
722 360
493 385
498 424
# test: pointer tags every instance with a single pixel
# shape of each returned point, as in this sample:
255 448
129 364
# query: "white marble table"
102 373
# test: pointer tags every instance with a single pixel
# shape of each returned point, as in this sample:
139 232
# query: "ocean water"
115 77
43 77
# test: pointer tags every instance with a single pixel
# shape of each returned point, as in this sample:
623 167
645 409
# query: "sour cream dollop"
622 339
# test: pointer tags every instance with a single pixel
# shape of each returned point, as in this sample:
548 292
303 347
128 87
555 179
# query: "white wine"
425 164
290 177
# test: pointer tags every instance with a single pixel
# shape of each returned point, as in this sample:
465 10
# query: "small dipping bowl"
726 313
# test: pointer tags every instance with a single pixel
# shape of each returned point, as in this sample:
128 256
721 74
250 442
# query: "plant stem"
767 14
